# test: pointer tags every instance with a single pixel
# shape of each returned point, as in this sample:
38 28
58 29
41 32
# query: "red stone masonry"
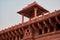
42 25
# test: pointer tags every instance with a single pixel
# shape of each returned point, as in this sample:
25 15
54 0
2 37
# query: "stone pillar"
54 27
48 29
43 30
35 12
22 19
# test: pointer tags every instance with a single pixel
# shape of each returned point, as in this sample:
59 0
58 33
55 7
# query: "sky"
9 9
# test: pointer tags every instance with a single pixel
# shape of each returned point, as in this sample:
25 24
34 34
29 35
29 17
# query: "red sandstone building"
42 25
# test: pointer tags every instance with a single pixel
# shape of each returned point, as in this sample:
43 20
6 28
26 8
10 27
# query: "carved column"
45 24
30 30
57 20
16 32
9 34
53 25
20 31
33 26
48 29
43 30
22 19
40 27
35 12
50 22
12 33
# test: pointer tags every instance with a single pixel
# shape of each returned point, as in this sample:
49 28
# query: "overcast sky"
9 9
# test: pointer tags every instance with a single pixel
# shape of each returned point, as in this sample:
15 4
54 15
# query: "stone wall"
52 36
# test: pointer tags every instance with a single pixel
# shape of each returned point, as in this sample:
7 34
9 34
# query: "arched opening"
39 31
21 36
57 26
51 29
45 30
